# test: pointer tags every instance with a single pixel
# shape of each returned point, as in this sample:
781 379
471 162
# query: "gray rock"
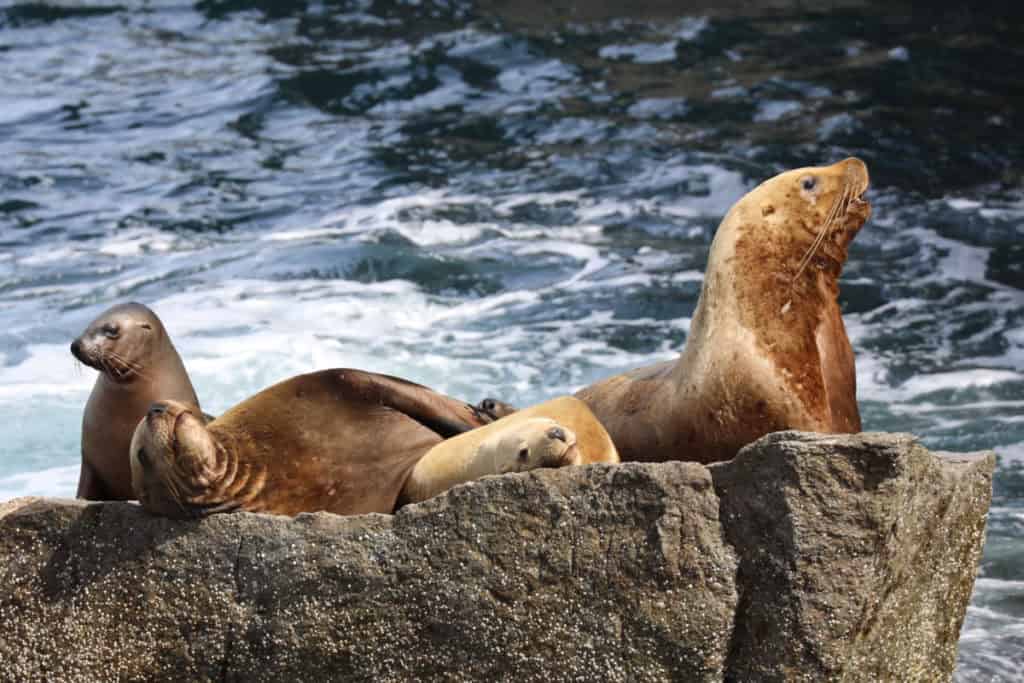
806 557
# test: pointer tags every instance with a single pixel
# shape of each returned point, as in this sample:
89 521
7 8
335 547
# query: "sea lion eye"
809 182
146 326
142 457
524 452
111 331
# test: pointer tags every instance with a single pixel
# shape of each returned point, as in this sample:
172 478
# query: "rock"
806 557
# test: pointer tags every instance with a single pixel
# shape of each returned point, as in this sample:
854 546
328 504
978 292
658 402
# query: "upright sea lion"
767 349
557 433
342 441
138 364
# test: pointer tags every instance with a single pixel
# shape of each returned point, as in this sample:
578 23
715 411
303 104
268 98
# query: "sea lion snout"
76 350
856 173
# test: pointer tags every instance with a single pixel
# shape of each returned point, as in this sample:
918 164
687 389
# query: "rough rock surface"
807 557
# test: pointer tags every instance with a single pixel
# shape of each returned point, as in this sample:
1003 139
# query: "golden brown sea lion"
767 349
341 440
514 444
138 364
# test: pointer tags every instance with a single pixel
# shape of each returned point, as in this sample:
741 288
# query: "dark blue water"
509 199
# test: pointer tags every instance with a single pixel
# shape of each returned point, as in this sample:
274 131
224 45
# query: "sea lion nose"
157 409
76 348
556 433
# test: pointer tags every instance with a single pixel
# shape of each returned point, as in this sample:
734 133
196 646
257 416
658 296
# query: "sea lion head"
808 215
174 461
120 341
530 444
495 409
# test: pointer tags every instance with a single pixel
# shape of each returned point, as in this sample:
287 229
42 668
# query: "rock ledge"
807 557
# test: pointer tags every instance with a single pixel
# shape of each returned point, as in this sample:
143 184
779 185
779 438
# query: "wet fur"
767 348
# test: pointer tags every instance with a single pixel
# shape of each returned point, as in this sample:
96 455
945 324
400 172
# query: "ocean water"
507 199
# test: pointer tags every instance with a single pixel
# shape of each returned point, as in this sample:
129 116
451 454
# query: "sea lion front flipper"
90 486
440 413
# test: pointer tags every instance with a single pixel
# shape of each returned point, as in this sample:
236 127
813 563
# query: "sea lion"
767 349
557 433
516 447
340 440
138 364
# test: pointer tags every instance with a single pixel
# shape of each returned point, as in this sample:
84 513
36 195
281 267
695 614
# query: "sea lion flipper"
440 413
90 487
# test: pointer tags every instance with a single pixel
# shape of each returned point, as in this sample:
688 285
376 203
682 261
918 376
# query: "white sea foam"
641 53
958 379
134 242
690 28
55 481
962 204
773 110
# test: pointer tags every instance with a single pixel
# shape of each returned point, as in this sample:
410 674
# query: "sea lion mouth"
119 373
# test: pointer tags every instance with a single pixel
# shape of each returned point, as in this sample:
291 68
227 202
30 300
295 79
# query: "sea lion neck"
754 293
227 481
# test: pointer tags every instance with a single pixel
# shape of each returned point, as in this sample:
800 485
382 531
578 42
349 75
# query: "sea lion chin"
767 349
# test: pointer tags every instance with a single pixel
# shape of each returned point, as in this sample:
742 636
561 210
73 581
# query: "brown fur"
342 441
580 440
767 348
138 364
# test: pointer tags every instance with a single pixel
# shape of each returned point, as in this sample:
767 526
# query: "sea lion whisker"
127 364
820 237
169 483
112 365
835 211
107 367
130 364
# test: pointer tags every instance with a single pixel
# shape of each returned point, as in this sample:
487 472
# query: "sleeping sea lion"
138 364
557 433
767 349
342 441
